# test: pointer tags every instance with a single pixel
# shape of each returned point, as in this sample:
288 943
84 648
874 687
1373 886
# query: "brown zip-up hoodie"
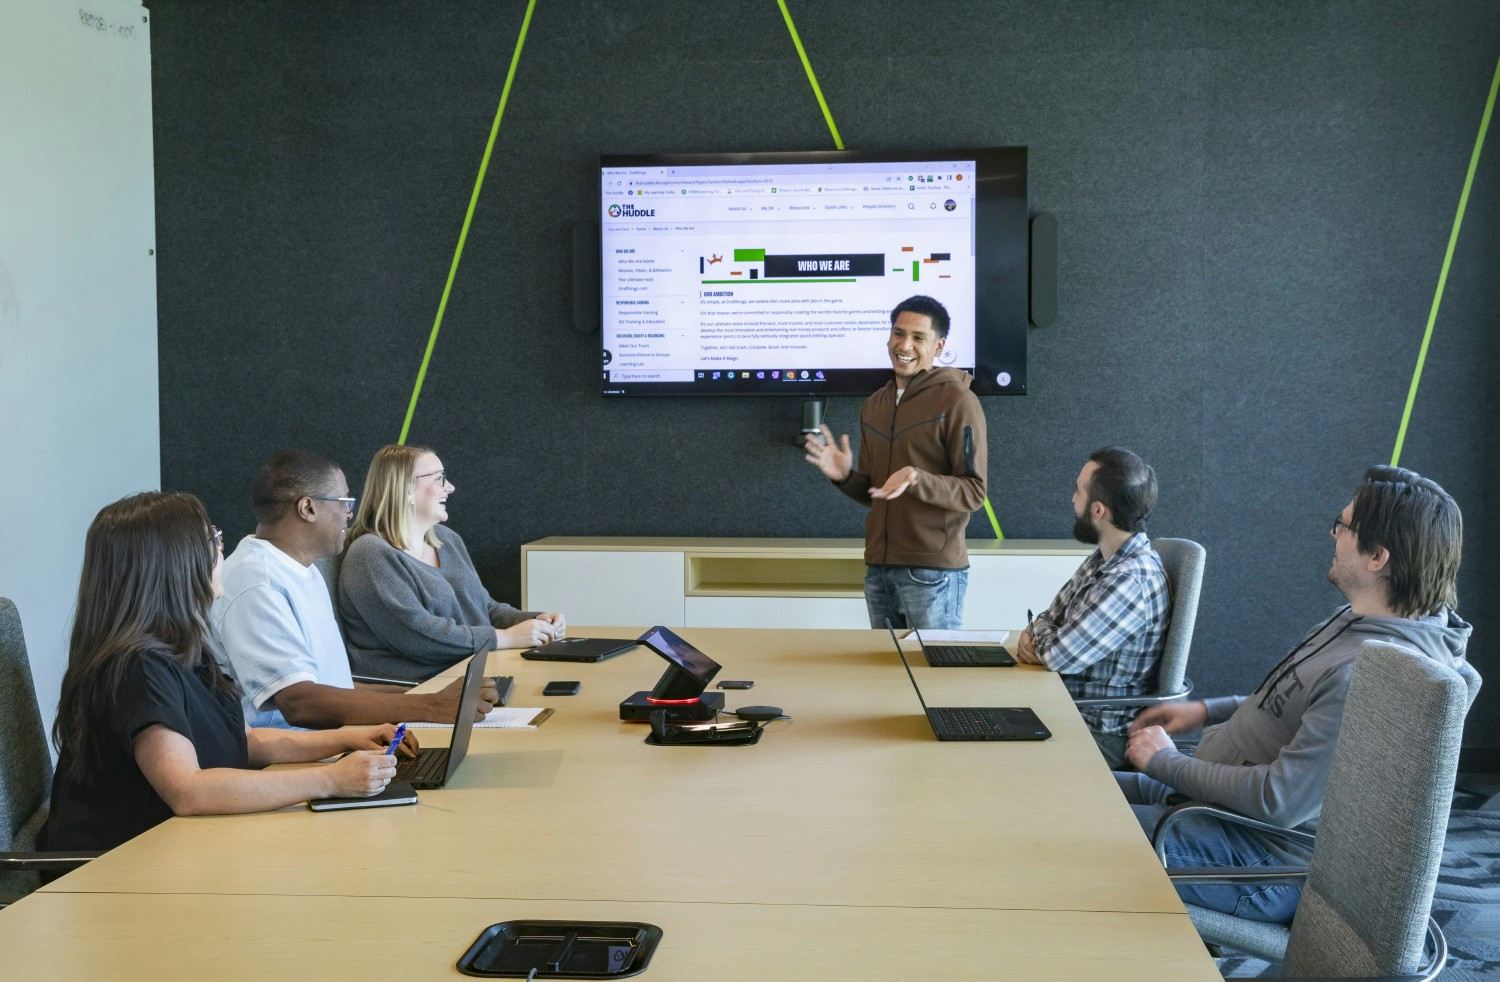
938 428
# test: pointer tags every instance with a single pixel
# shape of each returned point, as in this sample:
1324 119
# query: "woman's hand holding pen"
378 739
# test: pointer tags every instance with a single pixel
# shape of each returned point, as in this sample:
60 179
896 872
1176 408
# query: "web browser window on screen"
751 276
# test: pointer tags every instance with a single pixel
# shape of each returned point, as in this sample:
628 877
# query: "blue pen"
396 740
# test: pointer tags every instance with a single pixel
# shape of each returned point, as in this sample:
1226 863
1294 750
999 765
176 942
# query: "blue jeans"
1205 841
934 597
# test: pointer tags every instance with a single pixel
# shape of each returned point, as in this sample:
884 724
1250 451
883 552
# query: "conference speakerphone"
679 694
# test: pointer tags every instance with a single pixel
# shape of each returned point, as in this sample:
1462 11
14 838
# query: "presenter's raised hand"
896 486
834 460
527 634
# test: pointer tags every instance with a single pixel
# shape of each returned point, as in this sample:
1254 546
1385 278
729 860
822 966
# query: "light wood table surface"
851 815
173 936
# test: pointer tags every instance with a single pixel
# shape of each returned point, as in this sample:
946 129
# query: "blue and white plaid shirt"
1105 631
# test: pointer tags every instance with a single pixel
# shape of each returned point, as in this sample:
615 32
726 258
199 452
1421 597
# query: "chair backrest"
1471 679
329 567
1182 560
1369 887
25 763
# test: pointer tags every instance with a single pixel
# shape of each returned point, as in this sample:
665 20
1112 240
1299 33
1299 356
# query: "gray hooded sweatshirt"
1267 755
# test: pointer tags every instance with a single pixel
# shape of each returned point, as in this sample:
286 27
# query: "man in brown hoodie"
921 471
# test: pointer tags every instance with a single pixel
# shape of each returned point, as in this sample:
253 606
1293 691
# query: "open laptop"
964 655
978 723
958 655
433 767
580 649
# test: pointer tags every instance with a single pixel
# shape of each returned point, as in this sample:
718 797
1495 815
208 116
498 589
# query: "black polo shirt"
114 802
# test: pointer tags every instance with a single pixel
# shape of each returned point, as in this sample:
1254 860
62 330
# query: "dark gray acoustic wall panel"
1255 200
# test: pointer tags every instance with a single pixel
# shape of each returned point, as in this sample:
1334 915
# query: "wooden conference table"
848 844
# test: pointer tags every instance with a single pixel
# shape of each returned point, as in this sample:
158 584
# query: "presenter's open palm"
835 460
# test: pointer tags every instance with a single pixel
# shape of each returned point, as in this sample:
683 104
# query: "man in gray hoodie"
1395 558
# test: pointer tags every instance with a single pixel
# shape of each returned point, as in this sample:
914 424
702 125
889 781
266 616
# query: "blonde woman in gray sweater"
410 599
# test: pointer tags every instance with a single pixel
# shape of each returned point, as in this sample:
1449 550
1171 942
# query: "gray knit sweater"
1268 756
404 619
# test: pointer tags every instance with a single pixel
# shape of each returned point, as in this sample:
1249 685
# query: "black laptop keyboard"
950 655
430 767
968 724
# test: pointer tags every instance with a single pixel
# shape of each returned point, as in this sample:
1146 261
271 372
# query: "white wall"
78 379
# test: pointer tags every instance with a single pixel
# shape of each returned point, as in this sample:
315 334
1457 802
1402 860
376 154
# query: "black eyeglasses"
217 535
348 502
442 477
1339 523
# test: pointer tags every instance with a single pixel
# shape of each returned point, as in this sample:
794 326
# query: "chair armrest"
1126 702
1207 876
16 862
1177 812
376 680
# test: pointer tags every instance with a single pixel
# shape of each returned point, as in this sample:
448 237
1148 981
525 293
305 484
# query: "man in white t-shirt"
275 625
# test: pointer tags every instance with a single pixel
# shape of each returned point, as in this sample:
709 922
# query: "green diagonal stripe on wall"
807 65
1437 297
839 142
463 233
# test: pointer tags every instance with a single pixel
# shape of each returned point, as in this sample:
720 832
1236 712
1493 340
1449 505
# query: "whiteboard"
78 370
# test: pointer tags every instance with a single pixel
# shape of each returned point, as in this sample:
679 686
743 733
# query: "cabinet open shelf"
720 575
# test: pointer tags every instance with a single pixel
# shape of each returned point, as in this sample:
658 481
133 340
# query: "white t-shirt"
275 625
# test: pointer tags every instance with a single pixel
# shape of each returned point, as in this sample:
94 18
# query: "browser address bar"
704 181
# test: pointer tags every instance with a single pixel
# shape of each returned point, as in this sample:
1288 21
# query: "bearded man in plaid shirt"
1105 631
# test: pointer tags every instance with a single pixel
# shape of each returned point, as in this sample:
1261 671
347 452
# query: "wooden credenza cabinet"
788 583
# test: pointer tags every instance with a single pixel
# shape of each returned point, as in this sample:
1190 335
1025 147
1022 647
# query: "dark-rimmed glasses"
348 502
442 477
1339 523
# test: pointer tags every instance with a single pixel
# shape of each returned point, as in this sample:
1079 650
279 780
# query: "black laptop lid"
463 723
579 649
897 642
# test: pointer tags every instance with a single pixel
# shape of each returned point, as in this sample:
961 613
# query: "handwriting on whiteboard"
96 23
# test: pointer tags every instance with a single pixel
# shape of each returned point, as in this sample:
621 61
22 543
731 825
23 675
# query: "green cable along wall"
838 142
484 164
1437 297
463 232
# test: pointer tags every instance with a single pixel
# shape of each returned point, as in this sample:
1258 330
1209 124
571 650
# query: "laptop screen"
897 642
463 723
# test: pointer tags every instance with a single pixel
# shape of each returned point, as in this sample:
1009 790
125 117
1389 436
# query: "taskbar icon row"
763 375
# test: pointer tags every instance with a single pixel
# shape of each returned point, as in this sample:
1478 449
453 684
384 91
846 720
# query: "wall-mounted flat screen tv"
775 273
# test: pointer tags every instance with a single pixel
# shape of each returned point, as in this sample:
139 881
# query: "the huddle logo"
614 211
631 211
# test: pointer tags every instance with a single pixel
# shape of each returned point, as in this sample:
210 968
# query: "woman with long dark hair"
148 725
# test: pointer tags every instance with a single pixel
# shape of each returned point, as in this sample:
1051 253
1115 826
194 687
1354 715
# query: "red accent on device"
674 702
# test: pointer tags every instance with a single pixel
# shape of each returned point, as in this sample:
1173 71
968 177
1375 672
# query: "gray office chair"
329 566
1182 560
1367 891
25 770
